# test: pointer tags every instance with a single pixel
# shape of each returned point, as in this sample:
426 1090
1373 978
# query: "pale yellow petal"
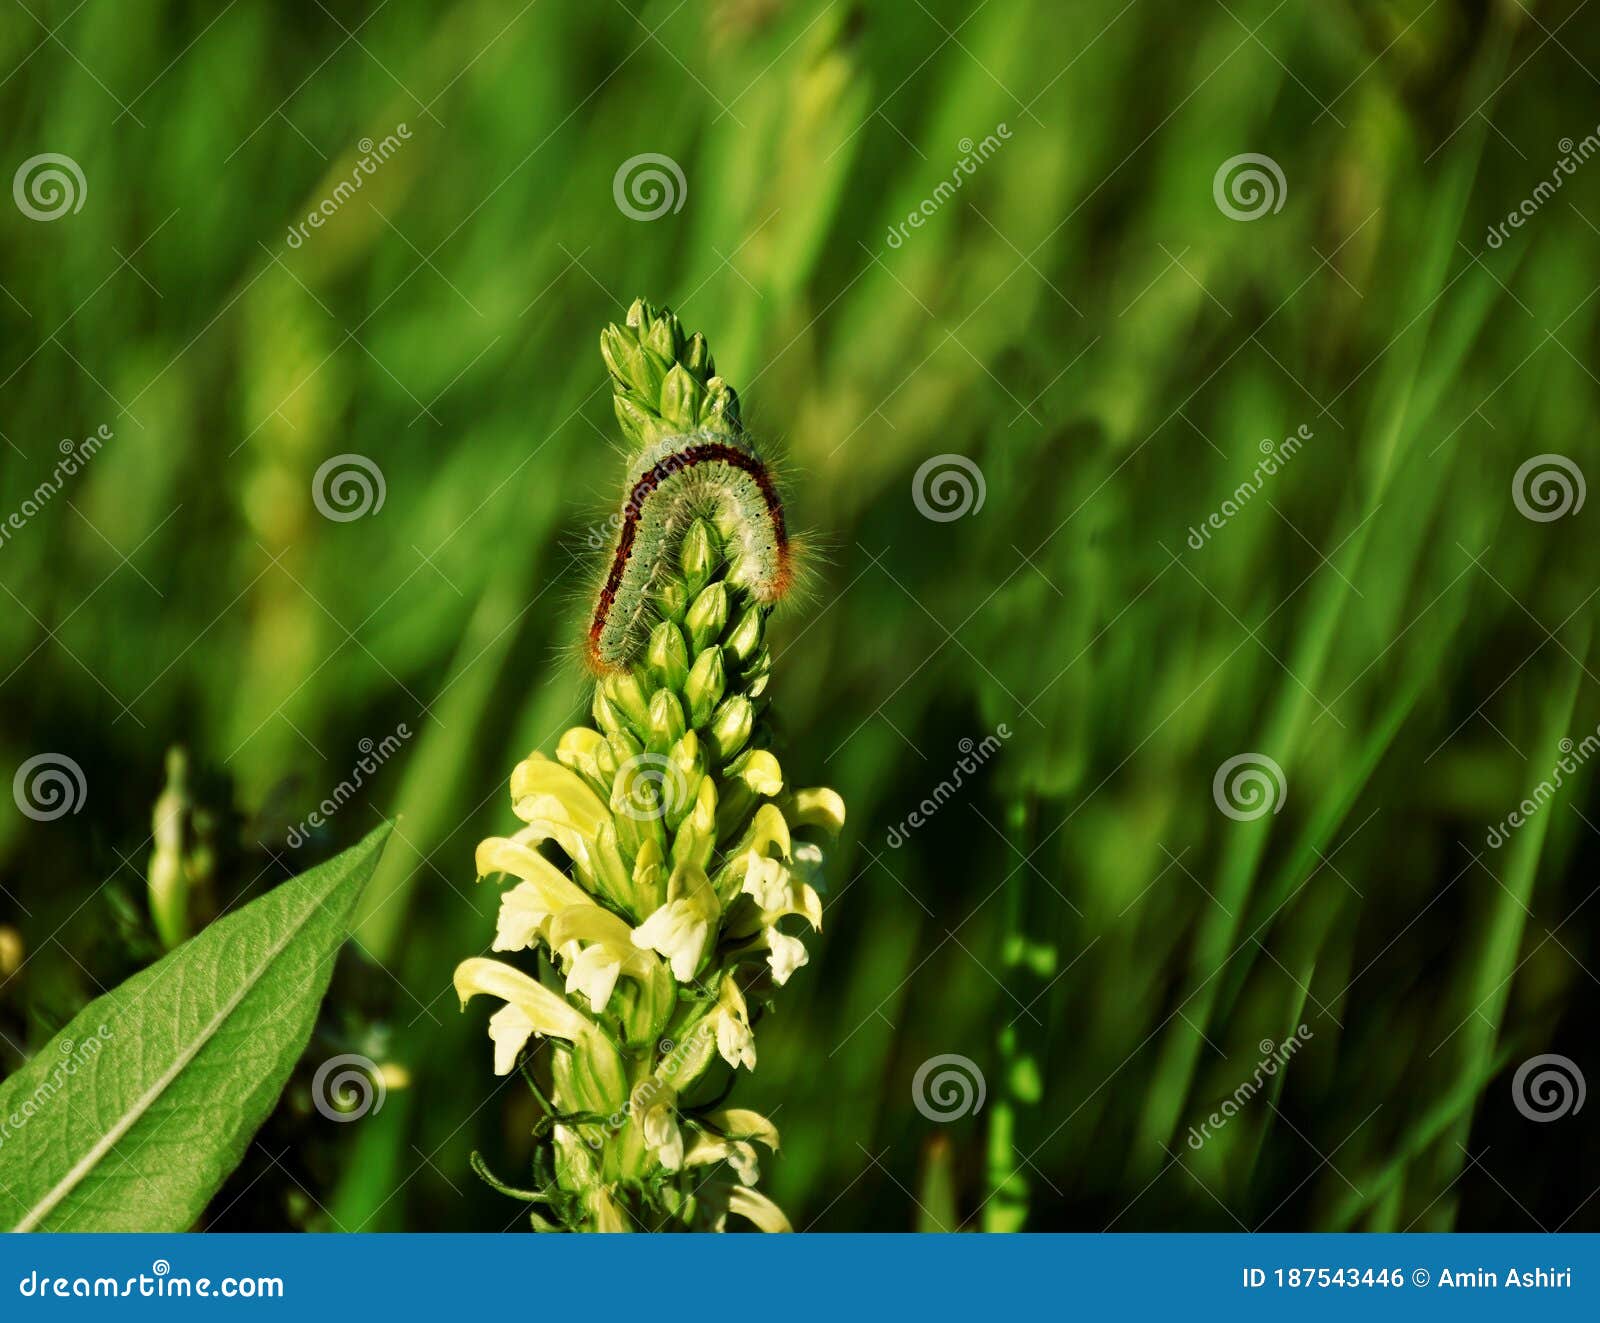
521 920
739 1155
742 1123
509 1029
768 828
538 778
547 1013
594 972
517 856
762 773
585 751
818 806
591 923
759 1209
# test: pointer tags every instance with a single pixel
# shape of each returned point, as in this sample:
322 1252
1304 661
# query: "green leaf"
136 1112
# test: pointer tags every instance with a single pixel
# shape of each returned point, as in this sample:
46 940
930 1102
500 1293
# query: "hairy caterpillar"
673 482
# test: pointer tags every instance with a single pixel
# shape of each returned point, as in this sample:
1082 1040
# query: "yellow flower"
558 806
737 1153
654 1107
680 929
598 950
731 1019
747 1203
530 1008
785 954
735 1129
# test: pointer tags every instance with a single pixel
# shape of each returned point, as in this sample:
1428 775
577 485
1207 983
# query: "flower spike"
664 872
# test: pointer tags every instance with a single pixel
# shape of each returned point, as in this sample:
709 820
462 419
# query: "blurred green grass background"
1080 320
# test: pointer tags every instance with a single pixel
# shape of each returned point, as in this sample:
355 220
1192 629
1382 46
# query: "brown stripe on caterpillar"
698 474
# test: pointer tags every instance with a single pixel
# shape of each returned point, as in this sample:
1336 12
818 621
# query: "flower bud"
730 728
639 802
607 715
624 747
586 752
681 395
627 693
649 878
696 838
708 616
704 688
755 677
672 598
698 356
666 719
662 333
721 409
667 655
697 556
632 363
686 768
745 636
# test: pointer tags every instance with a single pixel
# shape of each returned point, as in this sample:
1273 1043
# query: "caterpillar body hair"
681 478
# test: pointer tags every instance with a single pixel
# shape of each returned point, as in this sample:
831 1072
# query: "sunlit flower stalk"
655 893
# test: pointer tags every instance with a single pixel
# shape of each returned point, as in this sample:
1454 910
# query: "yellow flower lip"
759 1209
545 790
532 1007
818 806
762 773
